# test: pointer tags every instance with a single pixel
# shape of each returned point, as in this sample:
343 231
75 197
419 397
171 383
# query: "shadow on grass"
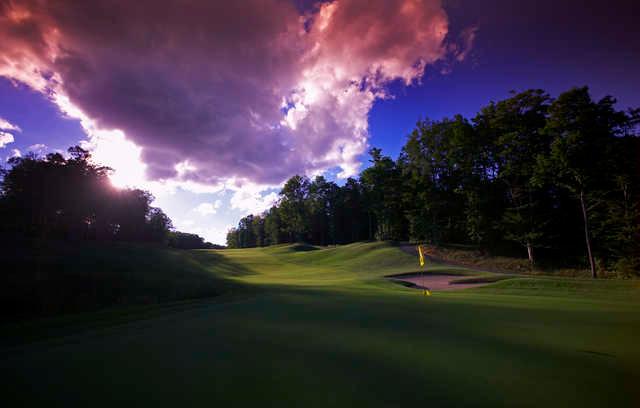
303 248
222 265
335 346
59 278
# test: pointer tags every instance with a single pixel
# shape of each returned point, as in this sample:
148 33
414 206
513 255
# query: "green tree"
293 208
232 238
439 181
514 127
159 225
352 218
321 205
382 185
617 224
581 130
273 227
257 227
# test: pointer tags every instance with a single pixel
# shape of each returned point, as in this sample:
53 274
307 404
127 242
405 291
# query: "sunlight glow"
111 148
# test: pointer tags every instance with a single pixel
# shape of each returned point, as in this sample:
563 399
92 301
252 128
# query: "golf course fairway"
312 327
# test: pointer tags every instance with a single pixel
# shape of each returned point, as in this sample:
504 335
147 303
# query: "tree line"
71 198
553 179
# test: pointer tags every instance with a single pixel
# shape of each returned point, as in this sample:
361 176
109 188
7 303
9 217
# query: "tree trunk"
587 237
530 254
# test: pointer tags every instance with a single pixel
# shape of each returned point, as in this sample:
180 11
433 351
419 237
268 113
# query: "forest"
554 180
58 198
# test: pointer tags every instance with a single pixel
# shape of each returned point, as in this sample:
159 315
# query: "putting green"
322 327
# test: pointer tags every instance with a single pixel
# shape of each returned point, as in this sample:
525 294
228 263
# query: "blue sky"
548 45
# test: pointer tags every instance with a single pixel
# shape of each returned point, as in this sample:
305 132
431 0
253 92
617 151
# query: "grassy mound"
323 327
611 290
61 278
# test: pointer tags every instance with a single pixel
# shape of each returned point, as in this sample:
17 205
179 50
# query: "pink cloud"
246 91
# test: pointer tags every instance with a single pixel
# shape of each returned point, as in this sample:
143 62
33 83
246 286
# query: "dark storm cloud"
251 90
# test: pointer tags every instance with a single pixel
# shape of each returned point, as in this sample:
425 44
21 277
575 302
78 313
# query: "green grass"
322 327
58 278
472 257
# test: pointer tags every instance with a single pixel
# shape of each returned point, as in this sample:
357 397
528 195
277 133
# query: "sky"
211 106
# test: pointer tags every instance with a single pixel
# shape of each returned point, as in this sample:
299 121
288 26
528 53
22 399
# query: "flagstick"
424 287
422 264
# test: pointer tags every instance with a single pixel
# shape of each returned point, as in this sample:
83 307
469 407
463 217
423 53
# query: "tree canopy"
556 179
71 198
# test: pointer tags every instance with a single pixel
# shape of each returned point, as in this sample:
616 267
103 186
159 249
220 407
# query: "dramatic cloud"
203 92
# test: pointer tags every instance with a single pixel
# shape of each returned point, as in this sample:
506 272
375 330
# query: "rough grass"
473 258
609 290
323 327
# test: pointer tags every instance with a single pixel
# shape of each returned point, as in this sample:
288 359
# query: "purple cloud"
216 91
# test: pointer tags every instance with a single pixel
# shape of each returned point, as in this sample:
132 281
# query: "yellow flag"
427 292
421 255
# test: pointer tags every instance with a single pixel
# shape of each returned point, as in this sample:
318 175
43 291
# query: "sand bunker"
434 282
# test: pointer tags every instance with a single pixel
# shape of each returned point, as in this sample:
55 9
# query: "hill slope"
58 278
322 327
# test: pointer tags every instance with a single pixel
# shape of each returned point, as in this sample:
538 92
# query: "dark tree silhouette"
54 197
